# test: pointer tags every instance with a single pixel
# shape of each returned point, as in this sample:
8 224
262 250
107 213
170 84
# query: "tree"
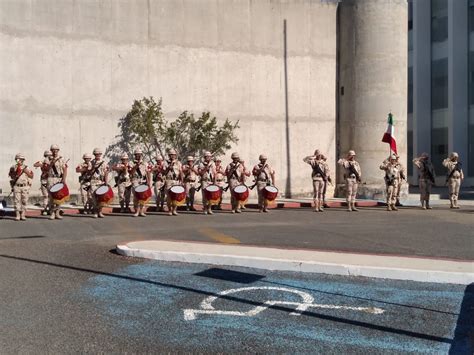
145 126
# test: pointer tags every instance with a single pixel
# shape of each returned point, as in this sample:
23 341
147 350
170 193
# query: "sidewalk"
349 264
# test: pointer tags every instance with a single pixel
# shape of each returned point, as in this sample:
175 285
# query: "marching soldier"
454 177
426 178
190 173
235 173
207 172
85 170
173 176
264 175
392 180
159 183
20 182
123 182
352 175
44 165
320 176
219 178
57 173
403 177
139 174
100 173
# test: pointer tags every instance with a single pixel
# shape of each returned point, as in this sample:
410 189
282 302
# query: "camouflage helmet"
86 156
172 152
137 151
262 157
454 155
207 153
159 157
97 151
351 153
19 156
189 158
54 147
47 153
124 156
235 155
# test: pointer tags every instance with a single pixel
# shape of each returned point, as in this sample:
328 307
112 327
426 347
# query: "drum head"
141 188
57 187
240 188
212 188
177 189
102 190
271 189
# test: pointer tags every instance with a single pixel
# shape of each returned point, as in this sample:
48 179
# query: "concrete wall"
373 46
71 69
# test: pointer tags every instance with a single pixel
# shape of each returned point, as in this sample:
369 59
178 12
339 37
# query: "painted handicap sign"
306 303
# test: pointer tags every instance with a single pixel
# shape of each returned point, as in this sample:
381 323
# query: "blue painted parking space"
202 308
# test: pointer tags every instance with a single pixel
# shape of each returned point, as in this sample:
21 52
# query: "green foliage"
145 126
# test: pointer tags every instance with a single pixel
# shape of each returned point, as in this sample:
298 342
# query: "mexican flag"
389 135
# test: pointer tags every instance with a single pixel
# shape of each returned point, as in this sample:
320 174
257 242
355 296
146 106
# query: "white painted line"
307 301
387 267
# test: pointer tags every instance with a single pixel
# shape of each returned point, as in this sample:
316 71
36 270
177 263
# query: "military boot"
23 215
428 207
349 207
394 207
17 215
354 207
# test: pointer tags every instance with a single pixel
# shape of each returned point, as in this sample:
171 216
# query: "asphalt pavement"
64 290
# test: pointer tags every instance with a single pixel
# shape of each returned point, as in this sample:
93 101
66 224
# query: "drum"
177 195
213 194
59 193
241 193
270 193
142 193
103 195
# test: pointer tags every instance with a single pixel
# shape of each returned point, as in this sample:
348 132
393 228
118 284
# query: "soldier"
219 179
454 177
99 175
173 175
85 170
207 172
159 183
392 180
328 181
426 178
236 173
123 182
44 165
57 173
20 182
264 175
352 175
403 177
190 173
320 175
140 174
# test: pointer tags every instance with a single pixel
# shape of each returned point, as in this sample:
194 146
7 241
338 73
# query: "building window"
439 20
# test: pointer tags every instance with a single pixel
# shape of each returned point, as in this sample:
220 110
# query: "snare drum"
177 195
213 194
241 193
59 193
103 195
270 193
142 193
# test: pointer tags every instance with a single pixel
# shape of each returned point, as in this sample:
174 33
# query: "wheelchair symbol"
307 302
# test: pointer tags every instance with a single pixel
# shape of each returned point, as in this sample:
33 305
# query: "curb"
329 262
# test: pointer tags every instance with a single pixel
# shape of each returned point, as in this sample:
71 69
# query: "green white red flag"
389 135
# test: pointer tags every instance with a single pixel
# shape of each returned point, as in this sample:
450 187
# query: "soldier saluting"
352 175
426 178
85 169
320 175
392 180
123 182
454 177
57 173
20 182
44 166
264 175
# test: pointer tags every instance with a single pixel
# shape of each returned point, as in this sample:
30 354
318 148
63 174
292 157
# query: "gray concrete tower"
372 82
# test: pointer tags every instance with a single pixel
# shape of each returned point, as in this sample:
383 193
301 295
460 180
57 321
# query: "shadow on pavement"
25 237
463 342
381 328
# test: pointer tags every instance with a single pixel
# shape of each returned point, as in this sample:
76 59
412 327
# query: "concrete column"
458 118
421 79
373 78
